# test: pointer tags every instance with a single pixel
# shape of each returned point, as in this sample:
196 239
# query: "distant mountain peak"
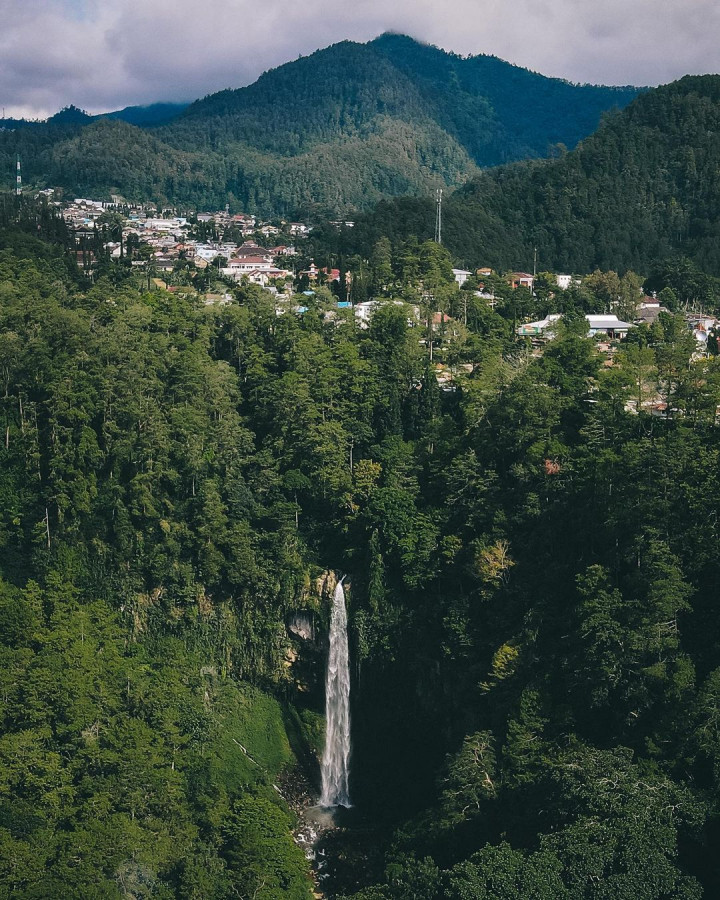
333 131
70 115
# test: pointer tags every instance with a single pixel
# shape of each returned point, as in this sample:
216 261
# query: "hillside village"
163 244
213 253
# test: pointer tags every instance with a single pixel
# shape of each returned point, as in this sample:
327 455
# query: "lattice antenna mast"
438 216
18 179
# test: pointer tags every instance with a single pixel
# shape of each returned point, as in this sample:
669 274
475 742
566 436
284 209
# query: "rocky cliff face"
324 586
307 626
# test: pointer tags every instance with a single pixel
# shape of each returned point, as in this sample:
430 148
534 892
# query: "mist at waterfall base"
335 766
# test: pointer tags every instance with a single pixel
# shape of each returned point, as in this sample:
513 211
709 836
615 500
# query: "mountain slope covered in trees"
643 188
333 131
132 764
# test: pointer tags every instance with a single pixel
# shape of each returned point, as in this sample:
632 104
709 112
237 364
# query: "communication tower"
438 216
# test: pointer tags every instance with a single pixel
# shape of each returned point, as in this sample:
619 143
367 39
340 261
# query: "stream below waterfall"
333 835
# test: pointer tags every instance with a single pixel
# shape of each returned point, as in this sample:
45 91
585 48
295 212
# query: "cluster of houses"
247 261
168 240
609 327
82 212
255 264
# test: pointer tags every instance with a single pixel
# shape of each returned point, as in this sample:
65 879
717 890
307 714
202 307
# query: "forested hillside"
533 556
641 189
332 132
147 561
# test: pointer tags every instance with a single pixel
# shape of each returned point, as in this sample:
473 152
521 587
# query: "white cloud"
102 55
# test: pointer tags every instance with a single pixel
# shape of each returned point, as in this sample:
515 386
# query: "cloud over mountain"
103 56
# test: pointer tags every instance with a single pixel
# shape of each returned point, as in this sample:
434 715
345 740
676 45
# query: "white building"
461 276
244 264
165 224
701 325
608 325
366 310
256 275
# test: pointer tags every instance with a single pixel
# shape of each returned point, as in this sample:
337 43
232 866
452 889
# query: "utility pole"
534 261
438 216
18 179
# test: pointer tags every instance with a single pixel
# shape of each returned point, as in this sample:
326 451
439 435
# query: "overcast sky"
106 54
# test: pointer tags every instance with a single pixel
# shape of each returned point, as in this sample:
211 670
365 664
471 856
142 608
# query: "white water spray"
336 756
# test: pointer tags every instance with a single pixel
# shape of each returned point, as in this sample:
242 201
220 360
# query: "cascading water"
336 756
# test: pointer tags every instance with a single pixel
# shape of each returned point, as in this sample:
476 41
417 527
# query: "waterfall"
336 755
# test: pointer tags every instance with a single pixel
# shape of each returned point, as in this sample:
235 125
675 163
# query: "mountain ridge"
644 187
148 115
401 117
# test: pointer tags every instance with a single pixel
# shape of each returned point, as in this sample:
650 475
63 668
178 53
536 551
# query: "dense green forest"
533 557
641 189
329 133
147 560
